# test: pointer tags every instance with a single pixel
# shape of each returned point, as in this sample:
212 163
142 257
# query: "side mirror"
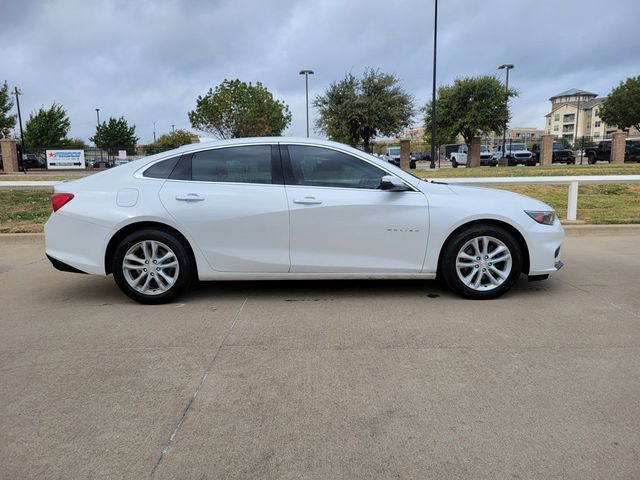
393 184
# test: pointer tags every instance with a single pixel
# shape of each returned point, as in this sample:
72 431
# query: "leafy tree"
583 142
622 106
471 106
115 134
76 144
7 121
170 141
237 109
47 128
356 110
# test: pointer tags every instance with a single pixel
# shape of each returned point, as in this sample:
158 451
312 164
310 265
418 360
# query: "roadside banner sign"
65 159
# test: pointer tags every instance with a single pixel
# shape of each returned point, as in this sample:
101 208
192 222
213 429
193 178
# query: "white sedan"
286 208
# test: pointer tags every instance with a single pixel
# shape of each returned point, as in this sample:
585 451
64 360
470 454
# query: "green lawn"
27 210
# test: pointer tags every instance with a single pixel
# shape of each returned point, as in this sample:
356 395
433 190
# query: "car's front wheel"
481 261
152 266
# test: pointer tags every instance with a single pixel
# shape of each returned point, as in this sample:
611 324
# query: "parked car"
31 160
394 152
460 157
286 208
516 154
396 161
421 156
602 151
559 154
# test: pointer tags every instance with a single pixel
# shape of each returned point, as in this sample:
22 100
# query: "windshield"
518 146
483 149
558 146
393 151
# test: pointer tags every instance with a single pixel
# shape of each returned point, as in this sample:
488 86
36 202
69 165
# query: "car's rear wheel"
454 164
481 261
152 266
591 159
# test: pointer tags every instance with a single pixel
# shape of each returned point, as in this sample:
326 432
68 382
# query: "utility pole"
433 93
306 74
508 67
17 93
98 117
173 128
154 132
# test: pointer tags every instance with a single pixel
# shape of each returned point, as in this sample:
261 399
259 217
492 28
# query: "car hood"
497 199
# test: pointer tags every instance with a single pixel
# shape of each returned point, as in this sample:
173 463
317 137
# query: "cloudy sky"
148 60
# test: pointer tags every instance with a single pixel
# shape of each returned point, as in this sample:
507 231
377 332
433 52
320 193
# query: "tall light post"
306 74
154 132
508 67
433 93
98 118
575 137
17 93
173 128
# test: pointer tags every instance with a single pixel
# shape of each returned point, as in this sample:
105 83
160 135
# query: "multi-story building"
575 114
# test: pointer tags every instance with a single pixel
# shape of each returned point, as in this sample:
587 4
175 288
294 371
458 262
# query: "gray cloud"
149 60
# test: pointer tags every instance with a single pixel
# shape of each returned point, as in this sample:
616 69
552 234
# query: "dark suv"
603 151
559 154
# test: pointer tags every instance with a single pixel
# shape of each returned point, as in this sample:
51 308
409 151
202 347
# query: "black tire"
591 159
183 273
449 257
454 164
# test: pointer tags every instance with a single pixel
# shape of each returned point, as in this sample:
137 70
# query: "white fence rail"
572 181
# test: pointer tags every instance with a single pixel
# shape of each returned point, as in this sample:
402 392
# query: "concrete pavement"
318 380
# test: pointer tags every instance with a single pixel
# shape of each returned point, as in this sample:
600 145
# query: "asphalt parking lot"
323 380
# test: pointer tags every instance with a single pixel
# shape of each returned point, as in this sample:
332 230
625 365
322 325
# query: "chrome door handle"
308 201
190 197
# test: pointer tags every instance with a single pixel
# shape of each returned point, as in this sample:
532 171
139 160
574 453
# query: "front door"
341 221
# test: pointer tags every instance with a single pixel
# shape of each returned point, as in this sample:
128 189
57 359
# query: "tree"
356 110
622 106
115 134
170 141
76 144
237 109
7 122
47 128
471 106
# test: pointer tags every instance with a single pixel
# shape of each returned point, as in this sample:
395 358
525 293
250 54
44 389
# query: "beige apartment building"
575 114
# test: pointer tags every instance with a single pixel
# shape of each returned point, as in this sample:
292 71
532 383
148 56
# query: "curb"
609 229
21 238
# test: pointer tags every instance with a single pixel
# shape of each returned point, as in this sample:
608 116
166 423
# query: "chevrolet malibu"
285 208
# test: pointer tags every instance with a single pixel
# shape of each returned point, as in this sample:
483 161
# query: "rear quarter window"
162 169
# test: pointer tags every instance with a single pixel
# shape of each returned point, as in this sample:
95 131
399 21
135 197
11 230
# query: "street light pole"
154 132
17 93
508 67
306 74
575 136
98 118
173 128
433 93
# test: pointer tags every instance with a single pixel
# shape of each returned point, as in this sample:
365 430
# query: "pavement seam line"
169 442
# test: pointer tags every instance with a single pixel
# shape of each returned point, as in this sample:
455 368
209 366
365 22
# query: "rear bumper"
76 244
63 267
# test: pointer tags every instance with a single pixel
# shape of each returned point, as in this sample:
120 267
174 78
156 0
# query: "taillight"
58 200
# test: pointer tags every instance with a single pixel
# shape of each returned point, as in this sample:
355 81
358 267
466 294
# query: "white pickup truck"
516 153
460 157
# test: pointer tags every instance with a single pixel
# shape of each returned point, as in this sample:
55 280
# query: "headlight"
545 218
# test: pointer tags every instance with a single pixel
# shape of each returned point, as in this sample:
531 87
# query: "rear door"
341 222
232 201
